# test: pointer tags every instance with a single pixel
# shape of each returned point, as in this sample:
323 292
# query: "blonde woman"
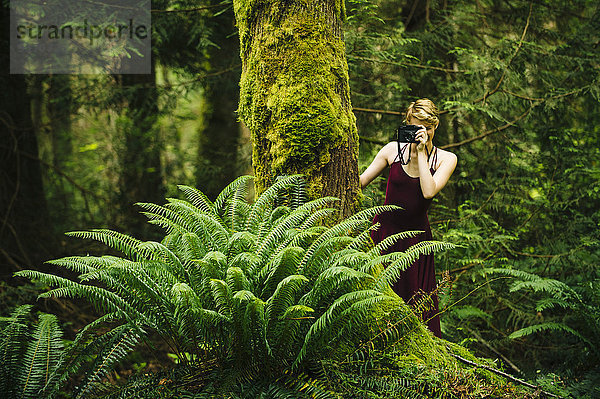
418 171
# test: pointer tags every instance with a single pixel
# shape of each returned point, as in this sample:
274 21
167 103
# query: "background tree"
141 170
23 210
219 158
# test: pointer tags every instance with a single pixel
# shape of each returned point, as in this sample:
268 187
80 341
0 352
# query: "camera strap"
403 150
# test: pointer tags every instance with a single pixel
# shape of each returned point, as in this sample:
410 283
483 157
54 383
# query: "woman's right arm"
380 162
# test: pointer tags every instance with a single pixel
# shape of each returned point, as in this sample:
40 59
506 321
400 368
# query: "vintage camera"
407 133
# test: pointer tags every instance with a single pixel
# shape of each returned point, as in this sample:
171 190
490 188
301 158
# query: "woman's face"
430 128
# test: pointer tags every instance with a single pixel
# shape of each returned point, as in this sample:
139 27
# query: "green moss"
418 365
294 73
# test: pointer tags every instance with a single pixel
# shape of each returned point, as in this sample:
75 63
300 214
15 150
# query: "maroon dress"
405 191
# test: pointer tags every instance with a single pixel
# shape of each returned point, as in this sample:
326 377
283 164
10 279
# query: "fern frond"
467 312
241 241
544 285
79 264
222 205
363 240
343 227
283 265
551 303
249 262
267 245
164 217
214 265
14 333
351 258
198 199
317 217
282 299
236 280
369 213
393 271
398 387
193 247
389 241
167 256
323 328
119 343
324 255
536 283
248 329
304 238
102 299
119 241
239 208
550 326
267 199
41 356
222 296
78 353
336 279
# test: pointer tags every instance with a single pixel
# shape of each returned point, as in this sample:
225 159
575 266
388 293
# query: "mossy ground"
414 367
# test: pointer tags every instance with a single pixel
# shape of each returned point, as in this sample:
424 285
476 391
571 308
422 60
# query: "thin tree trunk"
59 109
218 161
294 95
141 171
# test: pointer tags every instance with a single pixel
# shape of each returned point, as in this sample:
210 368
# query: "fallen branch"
505 375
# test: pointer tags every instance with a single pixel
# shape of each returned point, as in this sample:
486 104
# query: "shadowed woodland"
218 242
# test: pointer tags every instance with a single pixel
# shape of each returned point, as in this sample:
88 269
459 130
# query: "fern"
41 356
536 328
29 358
116 345
259 287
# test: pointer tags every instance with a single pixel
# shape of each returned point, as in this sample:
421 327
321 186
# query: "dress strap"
401 154
435 157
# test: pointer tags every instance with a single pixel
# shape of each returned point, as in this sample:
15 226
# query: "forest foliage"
517 82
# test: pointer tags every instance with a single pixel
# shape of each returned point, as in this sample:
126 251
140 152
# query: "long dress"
418 281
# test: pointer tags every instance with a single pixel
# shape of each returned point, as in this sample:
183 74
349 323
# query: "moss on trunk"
294 95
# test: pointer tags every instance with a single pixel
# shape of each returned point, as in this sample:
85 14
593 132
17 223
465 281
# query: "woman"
418 171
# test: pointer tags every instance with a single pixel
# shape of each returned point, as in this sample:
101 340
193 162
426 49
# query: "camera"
407 133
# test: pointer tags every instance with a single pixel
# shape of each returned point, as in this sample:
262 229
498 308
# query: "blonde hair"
424 110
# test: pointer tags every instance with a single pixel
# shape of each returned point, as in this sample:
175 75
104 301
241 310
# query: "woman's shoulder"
389 151
446 158
446 155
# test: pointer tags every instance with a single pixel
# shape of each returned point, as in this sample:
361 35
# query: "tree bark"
26 238
218 161
141 172
294 95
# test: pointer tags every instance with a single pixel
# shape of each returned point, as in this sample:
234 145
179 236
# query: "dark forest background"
518 86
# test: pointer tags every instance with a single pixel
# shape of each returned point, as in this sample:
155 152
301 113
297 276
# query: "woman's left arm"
431 185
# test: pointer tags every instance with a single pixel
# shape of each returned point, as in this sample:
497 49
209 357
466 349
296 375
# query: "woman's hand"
421 138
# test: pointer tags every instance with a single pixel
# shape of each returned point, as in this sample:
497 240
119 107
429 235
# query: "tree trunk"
294 95
59 108
141 171
26 238
218 161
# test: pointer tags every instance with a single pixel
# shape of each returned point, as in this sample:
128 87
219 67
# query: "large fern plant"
262 287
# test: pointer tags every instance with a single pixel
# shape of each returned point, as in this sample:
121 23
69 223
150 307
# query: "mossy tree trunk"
294 95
